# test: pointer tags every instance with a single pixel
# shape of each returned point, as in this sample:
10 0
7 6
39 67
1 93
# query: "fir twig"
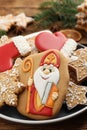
2 32
62 10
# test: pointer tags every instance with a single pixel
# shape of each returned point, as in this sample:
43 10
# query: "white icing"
19 84
47 90
73 58
40 83
54 95
10 86
22 45
3 89
85 64
74 95
22 21
69 47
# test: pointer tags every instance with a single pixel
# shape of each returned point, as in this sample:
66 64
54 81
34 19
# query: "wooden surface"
30 7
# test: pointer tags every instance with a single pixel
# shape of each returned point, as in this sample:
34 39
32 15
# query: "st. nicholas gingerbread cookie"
46 78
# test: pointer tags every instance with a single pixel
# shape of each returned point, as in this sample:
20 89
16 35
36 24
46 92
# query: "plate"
11 113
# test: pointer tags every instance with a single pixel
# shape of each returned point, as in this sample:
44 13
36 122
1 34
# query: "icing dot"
73 58
3 89
85 64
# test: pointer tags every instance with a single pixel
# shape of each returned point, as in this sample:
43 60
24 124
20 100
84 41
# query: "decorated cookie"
8 52
46 40
10 86
78 65
76 95
81 16
46 78
18 46
31 40
20 20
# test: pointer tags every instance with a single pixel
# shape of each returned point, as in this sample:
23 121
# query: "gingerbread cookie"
46 78
57 40
20 20
76 95
18 46
10 86
8 52
78 65
82 16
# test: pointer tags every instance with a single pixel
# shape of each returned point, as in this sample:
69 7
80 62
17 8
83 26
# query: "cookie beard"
40 83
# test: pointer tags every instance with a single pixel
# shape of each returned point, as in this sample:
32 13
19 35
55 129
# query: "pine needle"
62 10
2 32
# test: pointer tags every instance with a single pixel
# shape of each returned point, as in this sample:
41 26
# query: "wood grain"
30 7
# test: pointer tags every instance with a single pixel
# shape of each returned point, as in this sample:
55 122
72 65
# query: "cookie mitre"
46 78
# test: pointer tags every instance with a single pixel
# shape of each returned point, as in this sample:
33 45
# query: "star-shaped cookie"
22 20
78 66
10 86
76 95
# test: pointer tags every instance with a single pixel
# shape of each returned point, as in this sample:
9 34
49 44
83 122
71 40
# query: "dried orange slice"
71 33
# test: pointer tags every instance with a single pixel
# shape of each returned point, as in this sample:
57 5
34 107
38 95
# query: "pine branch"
62 10
2 32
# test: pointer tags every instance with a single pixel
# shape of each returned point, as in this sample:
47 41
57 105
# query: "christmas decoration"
58 11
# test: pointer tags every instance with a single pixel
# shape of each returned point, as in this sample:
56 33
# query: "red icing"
45 111
46 40
7 53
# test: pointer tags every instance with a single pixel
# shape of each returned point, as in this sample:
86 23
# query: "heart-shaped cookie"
46 40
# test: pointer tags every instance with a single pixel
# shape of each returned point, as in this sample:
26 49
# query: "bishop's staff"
28 67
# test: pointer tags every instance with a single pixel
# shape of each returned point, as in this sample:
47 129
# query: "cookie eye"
50 70
44 69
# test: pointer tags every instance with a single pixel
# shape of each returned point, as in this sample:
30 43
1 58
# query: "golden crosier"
28 66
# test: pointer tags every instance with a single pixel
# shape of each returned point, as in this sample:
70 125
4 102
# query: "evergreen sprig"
58 10
2 32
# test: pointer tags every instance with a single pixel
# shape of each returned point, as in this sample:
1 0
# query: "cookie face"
46 78
10 86
76 95
79 65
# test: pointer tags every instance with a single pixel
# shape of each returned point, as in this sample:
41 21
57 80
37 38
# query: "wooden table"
30 7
